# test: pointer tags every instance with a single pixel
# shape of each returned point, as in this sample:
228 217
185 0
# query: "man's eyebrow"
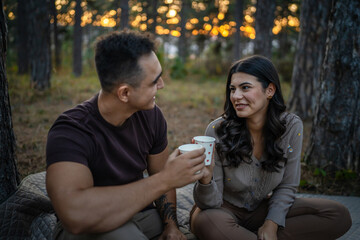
157 78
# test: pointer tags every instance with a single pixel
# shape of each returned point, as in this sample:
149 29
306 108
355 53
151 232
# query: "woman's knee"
344 218
200 221
339 218
209 224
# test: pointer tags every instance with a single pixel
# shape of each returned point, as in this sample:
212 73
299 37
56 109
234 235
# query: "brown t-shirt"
114 155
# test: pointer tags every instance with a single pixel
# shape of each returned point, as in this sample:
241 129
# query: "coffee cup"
209 144
189 147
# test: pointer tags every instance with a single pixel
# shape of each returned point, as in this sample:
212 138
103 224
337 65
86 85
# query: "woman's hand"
208 172
268 231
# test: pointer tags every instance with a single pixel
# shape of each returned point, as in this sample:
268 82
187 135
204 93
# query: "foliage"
284 66
216 60
178 69
332 182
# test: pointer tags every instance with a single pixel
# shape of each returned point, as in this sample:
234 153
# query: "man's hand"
177 171
180 170
171 232
268 231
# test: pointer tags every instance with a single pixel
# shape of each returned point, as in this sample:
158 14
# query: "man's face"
143 97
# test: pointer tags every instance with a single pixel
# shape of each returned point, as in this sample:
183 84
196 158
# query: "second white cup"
208 143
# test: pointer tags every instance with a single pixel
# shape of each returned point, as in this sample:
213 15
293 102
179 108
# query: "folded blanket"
28 213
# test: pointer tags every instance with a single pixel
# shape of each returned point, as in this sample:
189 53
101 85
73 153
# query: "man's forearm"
98 209
166 206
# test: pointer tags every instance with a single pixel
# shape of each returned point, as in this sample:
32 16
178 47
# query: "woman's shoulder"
293 124
210 129
291 119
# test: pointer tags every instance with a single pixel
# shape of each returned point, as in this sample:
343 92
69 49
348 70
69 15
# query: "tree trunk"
264 22
283 38
9 177
239 15
40 55
57 51
335 136
124 20
22 37
182 45
309 57
152 15
77 48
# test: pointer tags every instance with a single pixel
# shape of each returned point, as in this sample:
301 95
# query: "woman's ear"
123 93
270 90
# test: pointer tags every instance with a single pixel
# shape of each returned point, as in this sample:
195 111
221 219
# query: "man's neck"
112 109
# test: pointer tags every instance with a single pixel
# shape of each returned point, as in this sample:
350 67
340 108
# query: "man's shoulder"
77 116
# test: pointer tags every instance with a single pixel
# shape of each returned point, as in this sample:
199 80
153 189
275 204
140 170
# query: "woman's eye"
245 87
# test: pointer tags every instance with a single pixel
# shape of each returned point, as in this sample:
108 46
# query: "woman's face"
249 99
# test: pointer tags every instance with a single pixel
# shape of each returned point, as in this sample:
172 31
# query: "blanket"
28 213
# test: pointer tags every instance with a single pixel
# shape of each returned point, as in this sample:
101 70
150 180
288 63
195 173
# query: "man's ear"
123 92
270 90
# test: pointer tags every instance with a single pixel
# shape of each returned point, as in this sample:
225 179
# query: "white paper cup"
208 143
189 147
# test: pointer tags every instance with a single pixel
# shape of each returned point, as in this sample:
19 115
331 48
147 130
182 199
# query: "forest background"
50 68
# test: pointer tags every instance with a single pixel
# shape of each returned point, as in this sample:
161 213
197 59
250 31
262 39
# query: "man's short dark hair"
117 55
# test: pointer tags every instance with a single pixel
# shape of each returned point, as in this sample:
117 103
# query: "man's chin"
151 106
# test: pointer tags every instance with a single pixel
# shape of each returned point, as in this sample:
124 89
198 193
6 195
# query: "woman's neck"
256 132
255 126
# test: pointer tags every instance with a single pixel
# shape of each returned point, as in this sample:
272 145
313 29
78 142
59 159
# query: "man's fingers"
175 153
198 168
195 153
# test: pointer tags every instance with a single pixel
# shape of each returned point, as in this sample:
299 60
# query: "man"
97 152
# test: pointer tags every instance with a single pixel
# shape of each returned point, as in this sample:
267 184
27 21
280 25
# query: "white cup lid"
204 139
189 147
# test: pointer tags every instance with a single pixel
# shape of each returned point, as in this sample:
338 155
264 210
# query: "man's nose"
160 83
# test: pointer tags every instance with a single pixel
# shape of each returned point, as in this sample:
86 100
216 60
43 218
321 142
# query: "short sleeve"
67 143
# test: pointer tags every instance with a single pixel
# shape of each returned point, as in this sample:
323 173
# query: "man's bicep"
156 162
64 180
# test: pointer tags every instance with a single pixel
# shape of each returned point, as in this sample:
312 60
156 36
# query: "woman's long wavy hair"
235 142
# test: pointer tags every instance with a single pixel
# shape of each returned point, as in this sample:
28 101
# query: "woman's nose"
238 94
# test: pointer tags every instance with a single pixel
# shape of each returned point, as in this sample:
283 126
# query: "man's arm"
166 204
84 208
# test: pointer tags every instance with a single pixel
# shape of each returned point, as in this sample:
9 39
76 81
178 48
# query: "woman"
250 192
